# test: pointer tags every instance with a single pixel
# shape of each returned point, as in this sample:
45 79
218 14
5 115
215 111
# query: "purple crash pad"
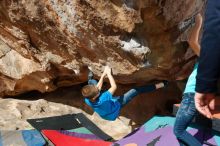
161 137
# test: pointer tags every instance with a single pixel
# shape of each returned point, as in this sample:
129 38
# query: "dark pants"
128 96
184 117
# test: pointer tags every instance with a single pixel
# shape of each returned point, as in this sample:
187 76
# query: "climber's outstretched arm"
113 87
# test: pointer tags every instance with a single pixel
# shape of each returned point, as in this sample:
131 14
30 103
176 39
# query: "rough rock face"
14 114
45 44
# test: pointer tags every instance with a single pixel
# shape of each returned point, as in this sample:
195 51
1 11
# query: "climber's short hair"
90 91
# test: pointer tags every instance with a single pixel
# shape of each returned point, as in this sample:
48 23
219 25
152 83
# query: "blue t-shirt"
106 106
191 83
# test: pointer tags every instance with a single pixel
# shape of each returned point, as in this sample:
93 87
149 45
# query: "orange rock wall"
45 44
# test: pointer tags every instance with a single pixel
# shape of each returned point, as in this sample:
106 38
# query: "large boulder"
45 44
14 115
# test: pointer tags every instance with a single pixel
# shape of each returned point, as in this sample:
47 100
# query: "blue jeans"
184 117
128 96
92 82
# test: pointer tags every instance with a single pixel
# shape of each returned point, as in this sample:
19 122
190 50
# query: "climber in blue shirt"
104 103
